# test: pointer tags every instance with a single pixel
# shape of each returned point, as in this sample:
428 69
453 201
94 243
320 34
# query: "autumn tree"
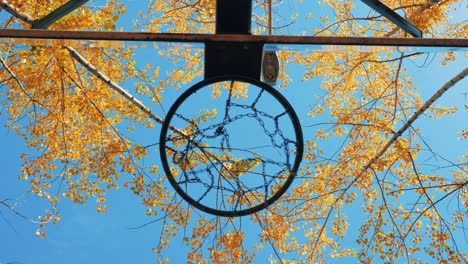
75 107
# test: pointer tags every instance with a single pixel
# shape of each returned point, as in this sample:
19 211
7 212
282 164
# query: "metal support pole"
270 19
394 17
233 16
55 15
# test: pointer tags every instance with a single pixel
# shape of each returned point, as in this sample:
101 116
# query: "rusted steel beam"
448 44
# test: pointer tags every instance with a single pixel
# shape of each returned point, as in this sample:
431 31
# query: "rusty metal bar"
447 44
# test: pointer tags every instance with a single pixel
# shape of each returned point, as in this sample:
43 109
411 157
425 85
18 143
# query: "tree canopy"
369 187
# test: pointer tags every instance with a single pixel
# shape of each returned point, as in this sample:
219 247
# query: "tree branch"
15 12
12 208
389 143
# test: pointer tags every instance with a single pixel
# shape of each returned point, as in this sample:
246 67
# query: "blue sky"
84 236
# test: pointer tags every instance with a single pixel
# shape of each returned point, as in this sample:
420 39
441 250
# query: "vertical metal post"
233 16
270 19
244 59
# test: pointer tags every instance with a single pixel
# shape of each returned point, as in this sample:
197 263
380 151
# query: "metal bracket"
229 58
242 59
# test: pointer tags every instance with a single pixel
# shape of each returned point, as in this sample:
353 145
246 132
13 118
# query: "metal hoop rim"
279 97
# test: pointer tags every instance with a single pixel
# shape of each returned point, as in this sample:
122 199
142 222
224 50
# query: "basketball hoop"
240 154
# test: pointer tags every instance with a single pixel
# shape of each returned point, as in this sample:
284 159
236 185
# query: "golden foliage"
73 123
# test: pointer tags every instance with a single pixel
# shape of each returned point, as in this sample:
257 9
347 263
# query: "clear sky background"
85 236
